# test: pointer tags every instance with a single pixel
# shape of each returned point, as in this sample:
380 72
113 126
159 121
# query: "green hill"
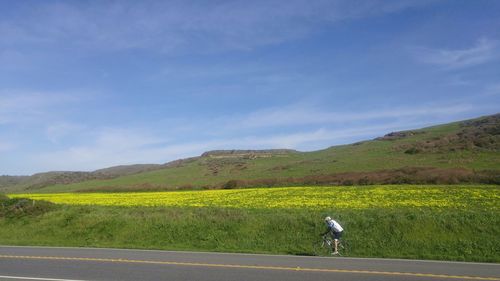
459 152
40 180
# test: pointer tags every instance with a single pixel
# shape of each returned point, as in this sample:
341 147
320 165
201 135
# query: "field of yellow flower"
352 197
448 222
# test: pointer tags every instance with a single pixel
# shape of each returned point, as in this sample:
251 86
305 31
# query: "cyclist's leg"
336 238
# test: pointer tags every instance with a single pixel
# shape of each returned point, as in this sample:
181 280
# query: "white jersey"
335 226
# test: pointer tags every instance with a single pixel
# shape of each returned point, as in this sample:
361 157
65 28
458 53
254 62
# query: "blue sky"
91 84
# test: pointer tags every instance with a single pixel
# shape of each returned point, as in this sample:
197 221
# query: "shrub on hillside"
483 135
187 186
412 150
19 207
3 197
405 175
230 184
488 177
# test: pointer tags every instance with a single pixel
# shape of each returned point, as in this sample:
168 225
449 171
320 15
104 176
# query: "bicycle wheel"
343 247
321 248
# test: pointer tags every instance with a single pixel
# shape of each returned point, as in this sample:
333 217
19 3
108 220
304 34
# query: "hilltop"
459 152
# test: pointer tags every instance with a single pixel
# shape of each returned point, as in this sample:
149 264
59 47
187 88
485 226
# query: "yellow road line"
429 275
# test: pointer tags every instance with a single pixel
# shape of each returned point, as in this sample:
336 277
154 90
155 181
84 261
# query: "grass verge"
417 233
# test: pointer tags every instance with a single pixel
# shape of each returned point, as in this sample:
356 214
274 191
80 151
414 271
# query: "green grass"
466 230
466 235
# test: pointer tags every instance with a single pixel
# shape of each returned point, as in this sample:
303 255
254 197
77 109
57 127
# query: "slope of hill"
6 181
126 170
40 180
466 151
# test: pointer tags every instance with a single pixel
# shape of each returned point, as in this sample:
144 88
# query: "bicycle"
325 247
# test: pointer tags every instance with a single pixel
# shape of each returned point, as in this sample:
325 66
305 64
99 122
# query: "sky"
86 85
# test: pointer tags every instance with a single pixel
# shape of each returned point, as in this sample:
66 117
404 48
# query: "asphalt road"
70 264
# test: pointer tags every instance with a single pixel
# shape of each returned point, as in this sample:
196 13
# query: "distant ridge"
40 180
6 181
127 169
459 152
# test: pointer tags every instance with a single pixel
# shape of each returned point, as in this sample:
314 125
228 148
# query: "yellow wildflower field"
335 197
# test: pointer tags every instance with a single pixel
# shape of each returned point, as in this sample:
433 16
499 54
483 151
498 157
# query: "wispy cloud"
175 25
484 51
6 146
13 60
129 147
492 90
57 131
300 114
30 107
15 107
110 146
105 147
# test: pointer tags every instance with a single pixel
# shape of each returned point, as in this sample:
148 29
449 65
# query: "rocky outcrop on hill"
399 135
254 153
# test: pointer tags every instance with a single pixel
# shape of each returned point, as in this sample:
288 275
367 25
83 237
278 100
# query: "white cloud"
484 51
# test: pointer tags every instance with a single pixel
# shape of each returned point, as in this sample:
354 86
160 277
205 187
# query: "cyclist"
335 231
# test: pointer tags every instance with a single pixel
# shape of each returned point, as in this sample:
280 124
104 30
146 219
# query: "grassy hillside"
424 222
467 151
40 180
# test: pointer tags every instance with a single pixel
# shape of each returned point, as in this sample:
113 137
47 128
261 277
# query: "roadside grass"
447 222
416 233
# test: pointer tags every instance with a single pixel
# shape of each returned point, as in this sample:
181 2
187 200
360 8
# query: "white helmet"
328 219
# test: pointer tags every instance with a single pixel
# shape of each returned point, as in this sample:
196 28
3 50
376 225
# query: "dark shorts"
336 235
